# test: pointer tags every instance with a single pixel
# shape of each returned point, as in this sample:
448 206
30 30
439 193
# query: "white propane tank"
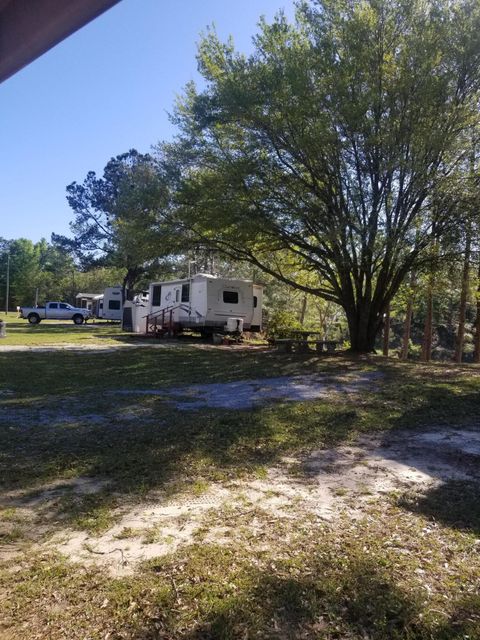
234 325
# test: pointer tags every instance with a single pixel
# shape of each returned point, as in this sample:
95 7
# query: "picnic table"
293 340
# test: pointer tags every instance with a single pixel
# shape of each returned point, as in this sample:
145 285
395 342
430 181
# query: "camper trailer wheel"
77 319
34 318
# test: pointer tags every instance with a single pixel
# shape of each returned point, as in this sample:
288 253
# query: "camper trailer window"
231 297
177 295
114 305
156 295
255 302
185 293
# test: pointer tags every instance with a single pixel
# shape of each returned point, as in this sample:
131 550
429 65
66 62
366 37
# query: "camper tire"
33 318
78 319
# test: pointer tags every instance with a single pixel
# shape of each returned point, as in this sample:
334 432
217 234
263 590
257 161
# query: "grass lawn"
55 332
80 463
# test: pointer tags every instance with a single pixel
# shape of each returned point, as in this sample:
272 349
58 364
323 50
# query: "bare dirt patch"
325 484
248 394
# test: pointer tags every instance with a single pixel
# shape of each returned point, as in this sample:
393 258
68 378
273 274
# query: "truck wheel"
34 318
77 319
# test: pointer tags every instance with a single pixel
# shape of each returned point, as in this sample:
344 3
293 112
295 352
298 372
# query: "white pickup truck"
55 311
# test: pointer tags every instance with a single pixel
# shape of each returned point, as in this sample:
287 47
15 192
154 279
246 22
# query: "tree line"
40 271
339 159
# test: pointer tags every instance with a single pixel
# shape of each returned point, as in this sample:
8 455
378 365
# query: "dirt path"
248 394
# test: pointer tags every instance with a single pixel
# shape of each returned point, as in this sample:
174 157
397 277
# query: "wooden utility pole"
7 292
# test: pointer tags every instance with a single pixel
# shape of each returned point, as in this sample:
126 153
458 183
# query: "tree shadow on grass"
286 607
454 503
322 597
70 373
165 445
167 452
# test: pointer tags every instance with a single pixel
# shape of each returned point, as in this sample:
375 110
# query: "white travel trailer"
108 305
112 303
204 303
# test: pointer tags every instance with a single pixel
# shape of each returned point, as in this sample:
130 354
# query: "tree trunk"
426 355
363 330
386 332
128 283
303 310
460 338
407 326
427 332
476 352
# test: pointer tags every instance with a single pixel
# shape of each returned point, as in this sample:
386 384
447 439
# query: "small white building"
135 313
203 303
85 300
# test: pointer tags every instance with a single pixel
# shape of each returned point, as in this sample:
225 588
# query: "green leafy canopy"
335 141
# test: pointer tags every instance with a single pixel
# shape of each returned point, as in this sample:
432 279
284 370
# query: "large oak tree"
338 140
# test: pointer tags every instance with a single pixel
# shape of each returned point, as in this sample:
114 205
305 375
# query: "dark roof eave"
29 29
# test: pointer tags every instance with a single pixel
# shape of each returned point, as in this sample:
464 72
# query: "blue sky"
104 90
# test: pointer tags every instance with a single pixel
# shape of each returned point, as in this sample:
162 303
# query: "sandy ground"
248 394
238 395
325 484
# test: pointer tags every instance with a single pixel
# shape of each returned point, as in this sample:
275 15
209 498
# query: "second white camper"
108 305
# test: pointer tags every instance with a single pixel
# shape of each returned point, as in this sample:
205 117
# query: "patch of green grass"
455 503
150 535
270 493
10 515
12 534
392 578
169 539
127 532
92 512
260 472
55 332
364 490
199 487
